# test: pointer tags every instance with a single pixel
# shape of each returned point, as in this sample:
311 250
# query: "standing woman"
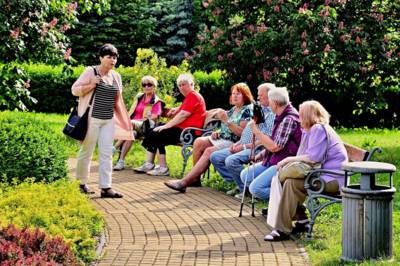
108 119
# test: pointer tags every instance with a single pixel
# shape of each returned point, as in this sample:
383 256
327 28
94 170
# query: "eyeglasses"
147 85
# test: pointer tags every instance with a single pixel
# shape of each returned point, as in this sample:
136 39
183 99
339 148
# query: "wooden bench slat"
355 154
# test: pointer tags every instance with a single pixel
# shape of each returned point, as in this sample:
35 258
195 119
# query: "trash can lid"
369 167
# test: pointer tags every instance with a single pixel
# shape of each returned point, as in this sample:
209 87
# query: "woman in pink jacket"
108 119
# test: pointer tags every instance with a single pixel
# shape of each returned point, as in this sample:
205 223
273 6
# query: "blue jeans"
259 180
229 165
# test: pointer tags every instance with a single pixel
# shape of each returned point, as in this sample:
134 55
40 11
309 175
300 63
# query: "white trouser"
102 132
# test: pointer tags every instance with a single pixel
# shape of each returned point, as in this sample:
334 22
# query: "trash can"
367 214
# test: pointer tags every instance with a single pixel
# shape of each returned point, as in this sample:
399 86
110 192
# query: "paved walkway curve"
152 225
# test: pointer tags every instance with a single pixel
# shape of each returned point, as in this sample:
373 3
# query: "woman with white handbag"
320 145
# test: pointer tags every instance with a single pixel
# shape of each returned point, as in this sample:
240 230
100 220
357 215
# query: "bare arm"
179 118
265 140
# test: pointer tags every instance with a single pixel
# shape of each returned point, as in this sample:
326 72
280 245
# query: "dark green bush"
30 148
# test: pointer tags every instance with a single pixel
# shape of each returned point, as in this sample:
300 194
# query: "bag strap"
96 73
327 144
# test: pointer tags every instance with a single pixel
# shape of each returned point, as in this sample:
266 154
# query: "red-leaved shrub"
27 247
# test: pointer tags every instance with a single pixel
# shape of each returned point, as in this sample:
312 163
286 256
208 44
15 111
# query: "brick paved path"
152 225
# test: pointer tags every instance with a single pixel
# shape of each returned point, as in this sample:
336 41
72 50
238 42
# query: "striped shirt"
104 100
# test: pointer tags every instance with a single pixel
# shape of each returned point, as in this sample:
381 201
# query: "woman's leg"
118 143
260 187
86 151
126 146
199 168
199 146
105 141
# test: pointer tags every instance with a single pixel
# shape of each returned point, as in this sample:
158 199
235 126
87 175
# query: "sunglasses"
147 85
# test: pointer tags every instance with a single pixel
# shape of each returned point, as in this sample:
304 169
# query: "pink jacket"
123 125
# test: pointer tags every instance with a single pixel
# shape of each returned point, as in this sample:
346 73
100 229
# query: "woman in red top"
191 113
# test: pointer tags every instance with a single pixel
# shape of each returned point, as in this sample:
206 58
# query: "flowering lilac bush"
26 247
343 53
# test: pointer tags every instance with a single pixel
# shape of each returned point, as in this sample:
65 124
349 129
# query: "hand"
236 148
160 128
283 163
259 156
221 115
172 112
94 81
215 135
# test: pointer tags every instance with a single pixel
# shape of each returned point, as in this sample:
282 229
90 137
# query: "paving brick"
152 225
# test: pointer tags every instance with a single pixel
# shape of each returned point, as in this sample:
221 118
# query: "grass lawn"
325 248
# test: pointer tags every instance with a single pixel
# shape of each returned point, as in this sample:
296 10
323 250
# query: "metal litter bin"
367 213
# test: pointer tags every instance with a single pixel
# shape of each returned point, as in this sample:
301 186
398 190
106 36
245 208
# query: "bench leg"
186 153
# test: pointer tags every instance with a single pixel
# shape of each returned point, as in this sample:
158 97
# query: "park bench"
314 185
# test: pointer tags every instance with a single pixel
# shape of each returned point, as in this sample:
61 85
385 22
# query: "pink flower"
364 70
25 20
327 2
216 12
341 25
389 54
67 54
15 33
215 35
304 35
204 4
238 42
302 10
275 59
229 56
227 42
201 37
65 27
277 9
266 74
325 12
53 23
326 30
304 45
220 58
213 43
275 70
301 69
72 7
327 48
262 28
27 84
281 1
269 2
345 37
358 40
258 53
306 52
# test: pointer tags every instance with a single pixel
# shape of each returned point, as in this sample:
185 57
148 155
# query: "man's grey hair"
186 77
266 86
279 95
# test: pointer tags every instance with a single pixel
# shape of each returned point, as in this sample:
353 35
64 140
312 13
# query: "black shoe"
300 227
85 189
264 211
195 184
109 193
176 185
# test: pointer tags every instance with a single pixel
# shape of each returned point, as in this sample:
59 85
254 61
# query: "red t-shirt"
194 104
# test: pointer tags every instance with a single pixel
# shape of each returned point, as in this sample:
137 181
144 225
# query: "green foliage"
57 208
30 149
174 32
14 93
127 24
343 53
52 87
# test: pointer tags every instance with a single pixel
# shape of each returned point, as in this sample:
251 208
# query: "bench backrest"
356 154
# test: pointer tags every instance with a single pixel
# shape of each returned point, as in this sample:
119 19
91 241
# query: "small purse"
300 169
76 126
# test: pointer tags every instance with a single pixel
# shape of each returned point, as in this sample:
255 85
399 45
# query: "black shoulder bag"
77 126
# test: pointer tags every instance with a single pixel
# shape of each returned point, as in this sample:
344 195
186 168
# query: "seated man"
284 142
229 162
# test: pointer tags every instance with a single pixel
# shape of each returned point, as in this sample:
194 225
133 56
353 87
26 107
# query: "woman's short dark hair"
108 49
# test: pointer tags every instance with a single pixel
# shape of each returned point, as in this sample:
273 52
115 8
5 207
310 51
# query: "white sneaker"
119 166
233 192
144 167
239 196
160 171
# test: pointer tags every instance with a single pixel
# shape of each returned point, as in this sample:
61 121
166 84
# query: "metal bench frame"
315 186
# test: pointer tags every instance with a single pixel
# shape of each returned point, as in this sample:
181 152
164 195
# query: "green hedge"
52 88
30 148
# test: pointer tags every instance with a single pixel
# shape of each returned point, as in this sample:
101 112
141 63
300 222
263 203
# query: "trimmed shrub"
29 148
26 247
58 208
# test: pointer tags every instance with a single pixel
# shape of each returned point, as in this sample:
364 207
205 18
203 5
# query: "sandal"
85 189
109 193
276 235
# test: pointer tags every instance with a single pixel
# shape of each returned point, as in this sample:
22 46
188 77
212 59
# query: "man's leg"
217 158
234 165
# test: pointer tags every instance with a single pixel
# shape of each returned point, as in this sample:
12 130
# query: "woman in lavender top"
319 144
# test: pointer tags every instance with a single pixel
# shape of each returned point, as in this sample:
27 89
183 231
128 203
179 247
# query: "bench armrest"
313 182
189 134
372 152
